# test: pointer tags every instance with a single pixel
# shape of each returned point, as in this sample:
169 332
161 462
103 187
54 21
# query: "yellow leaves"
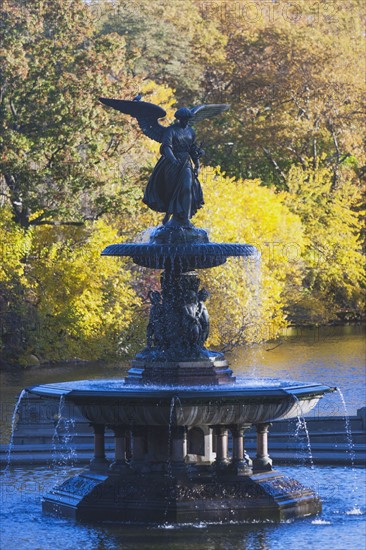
249 295
163 96
159 94
15 244
250 210
332 222
84 302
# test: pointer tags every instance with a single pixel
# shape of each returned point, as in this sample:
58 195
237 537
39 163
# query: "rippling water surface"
333 356
341 525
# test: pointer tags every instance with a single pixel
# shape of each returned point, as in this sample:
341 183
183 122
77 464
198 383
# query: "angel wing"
146 114
207 111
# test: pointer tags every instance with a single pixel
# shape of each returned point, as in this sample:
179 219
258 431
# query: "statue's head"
190 297
183 115
203 294
154 296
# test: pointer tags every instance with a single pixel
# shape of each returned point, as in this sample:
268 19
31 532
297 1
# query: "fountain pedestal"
187 460
181 373
182 412
181 497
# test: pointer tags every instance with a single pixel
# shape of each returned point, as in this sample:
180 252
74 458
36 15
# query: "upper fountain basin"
182 257
248 401
179 248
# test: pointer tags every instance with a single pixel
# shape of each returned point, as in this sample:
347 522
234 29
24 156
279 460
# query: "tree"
249 297
59 148
15 315
334 279
294 76
59 299
167 42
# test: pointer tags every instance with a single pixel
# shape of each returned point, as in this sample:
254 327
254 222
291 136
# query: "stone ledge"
185 373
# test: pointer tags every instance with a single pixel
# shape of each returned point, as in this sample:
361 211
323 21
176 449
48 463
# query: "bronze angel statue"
173 187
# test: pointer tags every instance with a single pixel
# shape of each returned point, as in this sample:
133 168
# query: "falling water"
179 403
351 448
355 508
301 425
68 455
170 427
13 425
144 236
252 266
170 470
55 435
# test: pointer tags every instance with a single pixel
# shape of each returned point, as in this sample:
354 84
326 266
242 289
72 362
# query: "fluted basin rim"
185 406
71 390
223 250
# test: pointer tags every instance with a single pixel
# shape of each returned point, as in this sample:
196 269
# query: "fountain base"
191 495
180 373
180 451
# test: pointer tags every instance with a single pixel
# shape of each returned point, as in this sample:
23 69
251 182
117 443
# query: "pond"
340 526
332 356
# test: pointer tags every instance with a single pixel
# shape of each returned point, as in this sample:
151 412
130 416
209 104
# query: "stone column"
241 462
262 462
178 446
99 461
120 462
221 433
138 443
128 442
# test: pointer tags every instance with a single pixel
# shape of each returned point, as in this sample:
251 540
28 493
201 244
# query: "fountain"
174 413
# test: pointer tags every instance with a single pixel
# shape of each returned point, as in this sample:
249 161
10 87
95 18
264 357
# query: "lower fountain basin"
247 401
171 452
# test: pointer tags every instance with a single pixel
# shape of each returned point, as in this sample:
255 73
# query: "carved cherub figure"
154 332
203 316
190 321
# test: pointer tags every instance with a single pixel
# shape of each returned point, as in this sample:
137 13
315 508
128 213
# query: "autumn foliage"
283 168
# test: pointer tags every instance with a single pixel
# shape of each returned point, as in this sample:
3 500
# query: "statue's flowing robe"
174 188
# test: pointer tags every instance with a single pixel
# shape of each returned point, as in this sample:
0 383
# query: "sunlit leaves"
249 296
68 301
332 219
60 149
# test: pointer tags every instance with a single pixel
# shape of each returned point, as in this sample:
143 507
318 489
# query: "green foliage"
334 260
70 301
59 147
249 296
72 171
167 42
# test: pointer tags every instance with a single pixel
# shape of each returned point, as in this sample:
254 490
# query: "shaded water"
332 356
341 525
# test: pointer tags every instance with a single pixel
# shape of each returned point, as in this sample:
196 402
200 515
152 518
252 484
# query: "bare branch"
56 223
274 163
332 131
299 157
